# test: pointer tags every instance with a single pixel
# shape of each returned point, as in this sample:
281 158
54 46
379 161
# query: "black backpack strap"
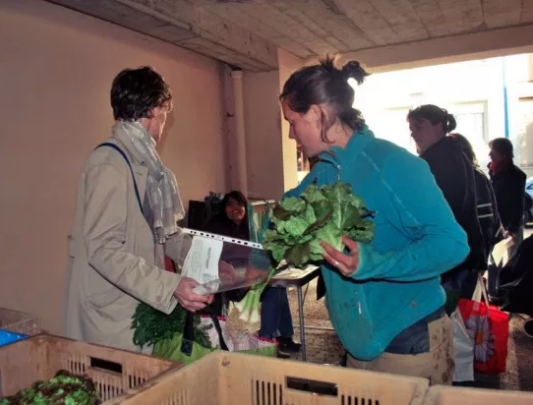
188 332
121 152
218 328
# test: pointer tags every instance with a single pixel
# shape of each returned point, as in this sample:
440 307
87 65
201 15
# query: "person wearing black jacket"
509 184
487 206
454 174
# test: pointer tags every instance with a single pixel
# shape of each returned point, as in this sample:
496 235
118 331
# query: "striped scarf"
161 188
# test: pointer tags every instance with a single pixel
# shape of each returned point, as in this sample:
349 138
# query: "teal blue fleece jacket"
397 281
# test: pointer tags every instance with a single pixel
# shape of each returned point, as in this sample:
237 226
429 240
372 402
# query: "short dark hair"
503 146
466 146
435 115
325 84
135 92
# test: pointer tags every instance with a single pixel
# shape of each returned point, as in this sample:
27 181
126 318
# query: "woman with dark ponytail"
455 175
384 299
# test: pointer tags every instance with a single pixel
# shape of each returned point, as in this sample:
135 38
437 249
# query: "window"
391 124
471 121
523 141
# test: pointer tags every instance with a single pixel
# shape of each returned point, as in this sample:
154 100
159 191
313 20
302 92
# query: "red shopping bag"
488 327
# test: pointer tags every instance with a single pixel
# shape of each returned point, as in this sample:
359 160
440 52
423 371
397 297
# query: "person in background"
384 298
488 215
487 206
455 176
509 184
276 319
128 206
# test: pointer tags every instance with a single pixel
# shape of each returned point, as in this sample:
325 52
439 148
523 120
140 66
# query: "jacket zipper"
336 165
362 305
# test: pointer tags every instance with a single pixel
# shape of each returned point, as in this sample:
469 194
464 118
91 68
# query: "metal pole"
505 100
240 143
302 326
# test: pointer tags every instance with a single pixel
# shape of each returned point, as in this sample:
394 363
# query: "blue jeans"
276 317
415 339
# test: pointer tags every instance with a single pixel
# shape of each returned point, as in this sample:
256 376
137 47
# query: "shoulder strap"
121 152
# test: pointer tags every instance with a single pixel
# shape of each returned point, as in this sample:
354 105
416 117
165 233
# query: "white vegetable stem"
250 306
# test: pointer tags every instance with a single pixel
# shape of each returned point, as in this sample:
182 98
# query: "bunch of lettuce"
321 214
299 225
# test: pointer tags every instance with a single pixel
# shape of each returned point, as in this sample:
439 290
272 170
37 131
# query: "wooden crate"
224 378
115 372
440 395
19 322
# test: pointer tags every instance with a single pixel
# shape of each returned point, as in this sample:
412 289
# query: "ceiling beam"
369 20
185 24
500 13
431 16
479 45
463 15
237 15
402 17
326 14
311 24
526 14
285 24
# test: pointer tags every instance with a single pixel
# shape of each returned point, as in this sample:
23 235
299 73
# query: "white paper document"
201 263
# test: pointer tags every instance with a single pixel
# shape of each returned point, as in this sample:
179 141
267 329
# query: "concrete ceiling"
247 33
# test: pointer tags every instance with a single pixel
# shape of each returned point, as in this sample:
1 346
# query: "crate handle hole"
312 386
106 365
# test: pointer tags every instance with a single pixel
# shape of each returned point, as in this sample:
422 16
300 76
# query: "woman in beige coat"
126 218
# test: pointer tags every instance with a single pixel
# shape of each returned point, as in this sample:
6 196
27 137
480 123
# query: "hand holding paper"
187 298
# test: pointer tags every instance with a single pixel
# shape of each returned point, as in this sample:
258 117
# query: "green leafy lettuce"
320 214
152 326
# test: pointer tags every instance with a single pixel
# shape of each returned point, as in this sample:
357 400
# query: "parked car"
529 213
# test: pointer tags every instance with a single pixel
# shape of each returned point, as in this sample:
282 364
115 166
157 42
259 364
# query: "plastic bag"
238 341
488 328
463 350
184 349
220 263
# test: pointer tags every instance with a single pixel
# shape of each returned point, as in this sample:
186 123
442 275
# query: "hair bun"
354 70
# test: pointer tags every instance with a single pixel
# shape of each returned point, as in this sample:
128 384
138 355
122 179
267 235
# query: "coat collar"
140 171
355 146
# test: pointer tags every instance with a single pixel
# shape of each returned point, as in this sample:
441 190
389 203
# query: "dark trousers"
276 320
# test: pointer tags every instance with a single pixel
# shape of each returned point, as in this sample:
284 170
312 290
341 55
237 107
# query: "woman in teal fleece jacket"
384 299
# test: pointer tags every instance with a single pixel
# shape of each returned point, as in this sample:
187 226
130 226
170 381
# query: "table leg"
302 326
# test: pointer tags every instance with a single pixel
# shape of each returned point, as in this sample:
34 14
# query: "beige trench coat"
111 255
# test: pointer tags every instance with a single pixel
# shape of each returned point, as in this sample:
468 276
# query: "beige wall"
270 154
264 154
56 67
288 64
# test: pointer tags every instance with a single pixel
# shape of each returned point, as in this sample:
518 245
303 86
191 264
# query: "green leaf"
313 194
281 213
152 326
322 209
325 211
298 255
295 226
293 204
